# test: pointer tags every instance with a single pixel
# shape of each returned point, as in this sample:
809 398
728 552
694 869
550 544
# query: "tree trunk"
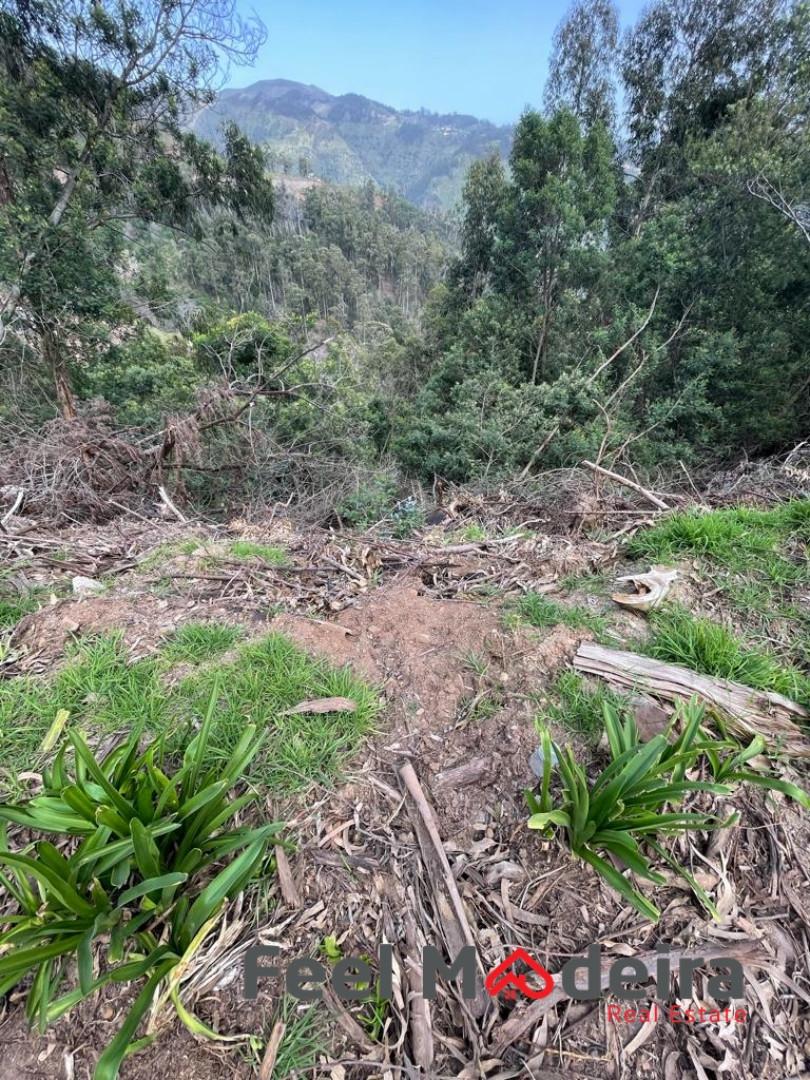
54 357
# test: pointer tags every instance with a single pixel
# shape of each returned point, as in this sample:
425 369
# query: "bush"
143 378
131 872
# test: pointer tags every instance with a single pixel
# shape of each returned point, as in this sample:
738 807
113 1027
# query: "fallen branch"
453 916
16 506
654 499
167 502
749 712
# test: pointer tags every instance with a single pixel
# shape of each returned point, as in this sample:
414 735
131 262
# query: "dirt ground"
461 688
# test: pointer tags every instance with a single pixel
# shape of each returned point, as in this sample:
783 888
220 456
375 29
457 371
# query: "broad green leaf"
110 1061
151 885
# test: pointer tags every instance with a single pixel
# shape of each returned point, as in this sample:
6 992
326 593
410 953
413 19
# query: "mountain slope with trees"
631 287
348 139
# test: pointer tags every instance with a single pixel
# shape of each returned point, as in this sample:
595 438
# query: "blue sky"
485 57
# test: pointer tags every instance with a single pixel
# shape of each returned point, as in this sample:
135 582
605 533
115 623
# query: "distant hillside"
350 139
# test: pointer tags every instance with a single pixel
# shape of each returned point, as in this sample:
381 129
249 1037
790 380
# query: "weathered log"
748 712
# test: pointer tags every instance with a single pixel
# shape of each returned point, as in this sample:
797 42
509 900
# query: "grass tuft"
710 648
14 605
195 643
579 706
246 549
540 611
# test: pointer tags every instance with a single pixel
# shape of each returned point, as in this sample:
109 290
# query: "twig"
271 1053
10 513
167 502
411 782
627 483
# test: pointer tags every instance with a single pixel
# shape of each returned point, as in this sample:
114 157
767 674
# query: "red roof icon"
506 978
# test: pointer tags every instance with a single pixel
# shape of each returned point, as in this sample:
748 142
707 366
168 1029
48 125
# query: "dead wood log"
748 712
447 899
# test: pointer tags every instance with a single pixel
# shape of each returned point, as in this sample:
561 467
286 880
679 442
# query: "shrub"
140 866
630 803
143 378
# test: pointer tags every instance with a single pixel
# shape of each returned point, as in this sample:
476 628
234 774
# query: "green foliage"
154 859
14 605
247 549
541 611
578 706
242 347
91 100
757 558
264 681
304 1041
707 646
627 805
98 685
635 799
737 537
143 378
370 503
195 643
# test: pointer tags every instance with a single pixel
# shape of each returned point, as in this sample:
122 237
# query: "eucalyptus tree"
93 96
582 68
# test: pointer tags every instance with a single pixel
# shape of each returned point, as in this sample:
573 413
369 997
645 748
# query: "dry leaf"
323 705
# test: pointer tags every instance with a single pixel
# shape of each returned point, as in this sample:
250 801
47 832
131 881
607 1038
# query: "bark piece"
322 705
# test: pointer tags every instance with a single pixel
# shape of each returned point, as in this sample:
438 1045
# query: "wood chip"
322 705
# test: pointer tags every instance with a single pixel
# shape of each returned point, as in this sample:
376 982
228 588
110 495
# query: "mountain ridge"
350 138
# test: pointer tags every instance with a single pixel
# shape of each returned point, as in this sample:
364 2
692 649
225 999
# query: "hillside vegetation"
349 139
630 289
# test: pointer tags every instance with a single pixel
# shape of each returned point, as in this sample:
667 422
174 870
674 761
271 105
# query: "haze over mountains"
349 139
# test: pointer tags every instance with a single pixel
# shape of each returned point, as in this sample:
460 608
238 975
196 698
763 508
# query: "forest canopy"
632 285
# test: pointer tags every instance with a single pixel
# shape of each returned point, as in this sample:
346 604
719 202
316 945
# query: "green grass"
264 680
757 558
578 706
735 536
541 611
473 533
195 643
103 692
708 647
304 1040
764 545
246 549
591 584
13 606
